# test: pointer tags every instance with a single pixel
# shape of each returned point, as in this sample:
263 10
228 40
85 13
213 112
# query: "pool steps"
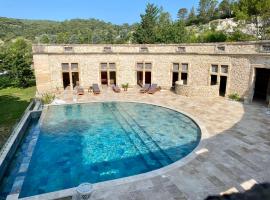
148 139
140 134
145 153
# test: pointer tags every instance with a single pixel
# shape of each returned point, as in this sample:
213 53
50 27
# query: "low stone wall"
196 90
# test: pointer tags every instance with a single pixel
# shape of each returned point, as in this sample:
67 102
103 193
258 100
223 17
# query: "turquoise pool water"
103 141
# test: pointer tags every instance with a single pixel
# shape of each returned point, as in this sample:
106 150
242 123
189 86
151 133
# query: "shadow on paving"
237 156
257 192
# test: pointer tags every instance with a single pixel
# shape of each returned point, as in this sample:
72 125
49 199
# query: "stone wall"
209 48
240 57
197 91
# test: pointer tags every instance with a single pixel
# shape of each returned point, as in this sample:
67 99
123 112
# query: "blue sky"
115 11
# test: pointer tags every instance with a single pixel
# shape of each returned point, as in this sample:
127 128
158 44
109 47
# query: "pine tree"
192 18
182 14
146 31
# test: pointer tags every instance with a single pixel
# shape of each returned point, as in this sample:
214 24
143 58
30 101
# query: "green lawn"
13 102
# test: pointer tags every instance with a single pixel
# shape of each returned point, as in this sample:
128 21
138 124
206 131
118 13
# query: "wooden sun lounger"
145 88
96 89
116 88
80 91
153 89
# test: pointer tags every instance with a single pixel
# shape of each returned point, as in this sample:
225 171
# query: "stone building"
193 69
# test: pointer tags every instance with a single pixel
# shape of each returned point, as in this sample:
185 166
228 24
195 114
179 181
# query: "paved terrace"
235 156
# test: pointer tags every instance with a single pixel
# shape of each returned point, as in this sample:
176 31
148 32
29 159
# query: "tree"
207 10
225 9
192 17
44 39
164 30
17 60
182 14
180 33
256 11
145 32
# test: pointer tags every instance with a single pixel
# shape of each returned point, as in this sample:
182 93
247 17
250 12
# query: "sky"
115 11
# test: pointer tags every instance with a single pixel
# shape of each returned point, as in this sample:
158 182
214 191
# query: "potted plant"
125 86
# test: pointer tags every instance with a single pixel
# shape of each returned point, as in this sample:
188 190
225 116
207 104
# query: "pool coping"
16 135
110 183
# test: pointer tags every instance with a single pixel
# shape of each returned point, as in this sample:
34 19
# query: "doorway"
175 78
104 78
262 85
75 79
112 77
223 85
66 79
140 78
147 77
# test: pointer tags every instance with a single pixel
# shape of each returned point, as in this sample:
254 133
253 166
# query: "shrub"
239 36
212 36
47 98
235 97
5 81
125 86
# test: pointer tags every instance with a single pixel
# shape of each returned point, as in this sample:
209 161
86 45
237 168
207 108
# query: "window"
107 49
74 66
181 49
106 66
214 79
180 73
214 69
224 69
103 66
184 67
112 66
68 49
148 66
266 48
184 77
175 67
139 66
65 67
144 49
221 48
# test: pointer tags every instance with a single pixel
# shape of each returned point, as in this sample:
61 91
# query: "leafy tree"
225 9
207 10
182 14
181 34
164 31
192 17
16 60
145 32
44 39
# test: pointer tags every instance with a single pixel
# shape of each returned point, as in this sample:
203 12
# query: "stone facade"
241 60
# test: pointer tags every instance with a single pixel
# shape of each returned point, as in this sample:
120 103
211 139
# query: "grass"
13 102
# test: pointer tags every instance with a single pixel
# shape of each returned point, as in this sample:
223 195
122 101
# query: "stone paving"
235 156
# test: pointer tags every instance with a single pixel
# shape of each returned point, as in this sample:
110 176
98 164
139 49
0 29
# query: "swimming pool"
97 142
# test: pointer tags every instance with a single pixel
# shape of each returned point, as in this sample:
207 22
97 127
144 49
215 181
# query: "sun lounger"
145 88
80 90
96 89
116 88
153 89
